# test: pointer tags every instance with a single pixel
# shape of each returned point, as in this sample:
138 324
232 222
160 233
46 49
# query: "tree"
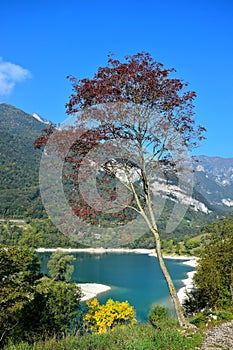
213 278
54 311
30 238
31 306
143 120
19 269
60 266
100 318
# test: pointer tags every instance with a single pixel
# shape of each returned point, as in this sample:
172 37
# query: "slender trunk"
173 293
151 223
170 284
231 284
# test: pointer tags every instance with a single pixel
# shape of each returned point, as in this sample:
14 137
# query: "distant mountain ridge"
221 169
214 180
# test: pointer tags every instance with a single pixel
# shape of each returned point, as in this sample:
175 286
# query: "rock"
219 337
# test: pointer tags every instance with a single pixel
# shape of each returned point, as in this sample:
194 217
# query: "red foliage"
138 81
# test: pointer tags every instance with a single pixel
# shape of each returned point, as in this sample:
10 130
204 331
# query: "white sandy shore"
97 250
150 252
91 290
192 262
190 259
188 282
188 287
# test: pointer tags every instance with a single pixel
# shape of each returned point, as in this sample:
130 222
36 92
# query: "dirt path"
219 337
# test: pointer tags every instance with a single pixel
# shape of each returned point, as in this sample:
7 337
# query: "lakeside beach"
188 287
91 290
101 250
96 250
188 282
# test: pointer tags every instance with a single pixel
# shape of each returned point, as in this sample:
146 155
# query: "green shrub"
157 314
199 320
225 314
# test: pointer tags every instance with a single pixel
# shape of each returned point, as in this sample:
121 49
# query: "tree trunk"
173 293
151 223
231 284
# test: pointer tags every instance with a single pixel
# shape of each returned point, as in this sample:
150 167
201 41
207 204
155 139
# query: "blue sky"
44 41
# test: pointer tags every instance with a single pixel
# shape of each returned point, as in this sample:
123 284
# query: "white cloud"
10 74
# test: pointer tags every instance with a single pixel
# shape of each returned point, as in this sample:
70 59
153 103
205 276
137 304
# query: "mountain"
19 162
213 186
40 119
19 171
214 180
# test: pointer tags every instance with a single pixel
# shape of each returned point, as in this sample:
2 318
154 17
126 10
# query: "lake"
133 277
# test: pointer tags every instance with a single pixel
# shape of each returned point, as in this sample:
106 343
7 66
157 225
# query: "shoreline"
150 252
91 290
96 250
188 282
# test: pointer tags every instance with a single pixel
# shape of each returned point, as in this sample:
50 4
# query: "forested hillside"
19 163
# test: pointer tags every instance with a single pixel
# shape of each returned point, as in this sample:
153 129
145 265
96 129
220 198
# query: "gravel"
219 337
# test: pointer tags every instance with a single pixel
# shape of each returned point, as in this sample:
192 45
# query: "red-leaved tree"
135 121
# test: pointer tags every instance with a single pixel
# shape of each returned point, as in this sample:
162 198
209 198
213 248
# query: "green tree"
213 278
54 311
31 238
19 269
214 273
60 266
32 306
191 244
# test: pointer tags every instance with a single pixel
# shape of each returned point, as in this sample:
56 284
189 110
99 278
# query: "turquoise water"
133 277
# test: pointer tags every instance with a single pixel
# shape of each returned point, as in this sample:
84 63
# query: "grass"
138 337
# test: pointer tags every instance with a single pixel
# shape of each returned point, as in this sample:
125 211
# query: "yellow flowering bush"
100 318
